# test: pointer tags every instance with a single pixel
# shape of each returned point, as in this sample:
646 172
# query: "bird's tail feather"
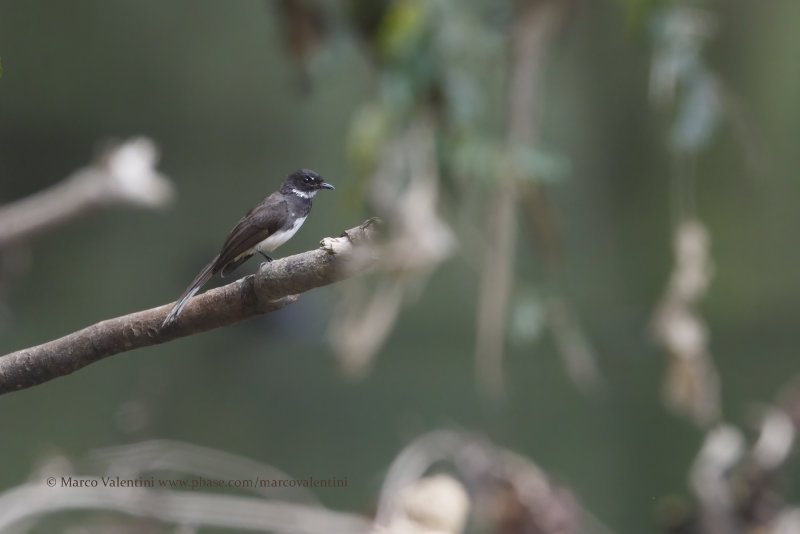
233 264
201 278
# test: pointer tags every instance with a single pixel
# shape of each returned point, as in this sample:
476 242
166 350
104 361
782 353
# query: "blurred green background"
215 86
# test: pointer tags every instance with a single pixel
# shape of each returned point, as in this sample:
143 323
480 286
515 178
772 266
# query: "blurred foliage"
445 58
268 389
679 74
637 11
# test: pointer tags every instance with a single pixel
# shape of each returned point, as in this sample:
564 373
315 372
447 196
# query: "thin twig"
533 21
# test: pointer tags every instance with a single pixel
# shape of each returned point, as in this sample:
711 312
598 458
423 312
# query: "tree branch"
275 285
124 174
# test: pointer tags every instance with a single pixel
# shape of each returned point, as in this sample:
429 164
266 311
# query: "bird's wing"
258 224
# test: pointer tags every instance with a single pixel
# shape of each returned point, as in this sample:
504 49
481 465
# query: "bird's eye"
307 179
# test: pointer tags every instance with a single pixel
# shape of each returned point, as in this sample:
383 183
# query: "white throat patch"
304 194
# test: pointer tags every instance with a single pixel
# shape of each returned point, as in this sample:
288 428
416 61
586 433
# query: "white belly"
279 238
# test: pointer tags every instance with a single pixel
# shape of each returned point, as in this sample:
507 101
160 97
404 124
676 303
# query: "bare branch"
495 292
124 174
234 512
533 25
275 285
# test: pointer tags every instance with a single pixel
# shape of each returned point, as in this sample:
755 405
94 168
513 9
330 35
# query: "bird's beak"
326 185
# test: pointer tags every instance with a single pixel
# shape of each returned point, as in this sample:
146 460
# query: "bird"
270 224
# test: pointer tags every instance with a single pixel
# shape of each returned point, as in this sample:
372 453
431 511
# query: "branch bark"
275 285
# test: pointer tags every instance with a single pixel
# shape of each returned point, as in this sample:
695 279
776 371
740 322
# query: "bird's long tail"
201 278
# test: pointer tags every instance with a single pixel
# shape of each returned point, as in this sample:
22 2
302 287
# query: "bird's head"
306 183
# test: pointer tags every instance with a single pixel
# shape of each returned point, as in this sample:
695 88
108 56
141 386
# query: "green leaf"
700 111
638 11
473 157
528 318
368 132
402 28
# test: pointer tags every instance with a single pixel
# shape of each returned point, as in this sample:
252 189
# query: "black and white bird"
270 224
